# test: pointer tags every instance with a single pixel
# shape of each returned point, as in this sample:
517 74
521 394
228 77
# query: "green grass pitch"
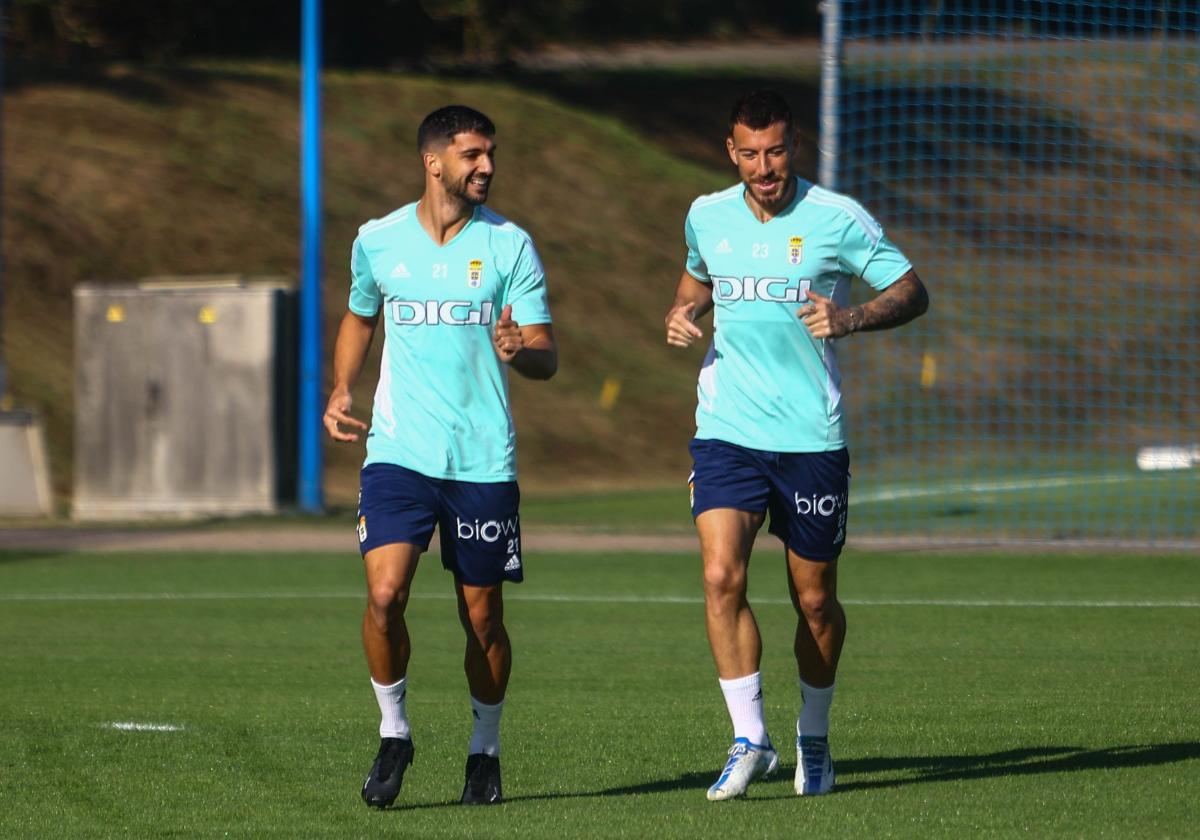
979 695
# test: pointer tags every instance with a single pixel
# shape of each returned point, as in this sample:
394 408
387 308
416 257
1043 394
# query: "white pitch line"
1008 486
584 599
131 726
1187 605
860 602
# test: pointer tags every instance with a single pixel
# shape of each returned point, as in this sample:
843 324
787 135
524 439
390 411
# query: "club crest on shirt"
475 273
795 250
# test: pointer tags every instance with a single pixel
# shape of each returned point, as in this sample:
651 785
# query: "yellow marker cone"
928 371
609 393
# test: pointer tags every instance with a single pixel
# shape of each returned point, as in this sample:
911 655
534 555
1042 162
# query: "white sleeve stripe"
387 221
493 218
713 198
825 198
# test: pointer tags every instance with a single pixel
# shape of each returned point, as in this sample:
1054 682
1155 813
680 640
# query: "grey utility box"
24 470
184 398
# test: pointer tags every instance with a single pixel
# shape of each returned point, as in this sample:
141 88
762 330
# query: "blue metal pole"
310 495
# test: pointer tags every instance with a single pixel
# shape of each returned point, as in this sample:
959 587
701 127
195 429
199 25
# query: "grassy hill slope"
138 172
1018 216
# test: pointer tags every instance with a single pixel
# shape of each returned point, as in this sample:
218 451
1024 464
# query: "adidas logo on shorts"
513 564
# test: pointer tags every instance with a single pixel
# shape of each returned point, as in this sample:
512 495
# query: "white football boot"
814 767
747 763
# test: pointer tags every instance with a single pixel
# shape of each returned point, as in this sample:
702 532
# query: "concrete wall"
184 397
24 471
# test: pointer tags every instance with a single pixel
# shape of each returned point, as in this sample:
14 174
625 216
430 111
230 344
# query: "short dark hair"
759 109
443 124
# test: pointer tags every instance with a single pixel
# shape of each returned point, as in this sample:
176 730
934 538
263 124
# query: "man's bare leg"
488 659
820 634
488 663
726 539
820 619
389 569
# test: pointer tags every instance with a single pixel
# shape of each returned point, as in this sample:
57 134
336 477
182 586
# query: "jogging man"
773 256
462 298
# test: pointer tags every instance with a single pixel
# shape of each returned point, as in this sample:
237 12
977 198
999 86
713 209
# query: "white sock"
393 721
485 734
814 713
744 700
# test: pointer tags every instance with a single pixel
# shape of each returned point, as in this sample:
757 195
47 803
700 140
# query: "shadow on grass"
1019 762
909 770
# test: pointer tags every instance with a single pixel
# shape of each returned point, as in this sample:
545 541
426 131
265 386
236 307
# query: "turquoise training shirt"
766 383
441 407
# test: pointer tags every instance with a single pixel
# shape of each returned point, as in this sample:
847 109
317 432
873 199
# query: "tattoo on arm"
898 304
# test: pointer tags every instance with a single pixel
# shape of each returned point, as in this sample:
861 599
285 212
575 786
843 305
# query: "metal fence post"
831 69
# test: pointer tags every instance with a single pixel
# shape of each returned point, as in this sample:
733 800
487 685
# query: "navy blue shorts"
478 523
805 492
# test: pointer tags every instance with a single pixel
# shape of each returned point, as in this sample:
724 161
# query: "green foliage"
372 32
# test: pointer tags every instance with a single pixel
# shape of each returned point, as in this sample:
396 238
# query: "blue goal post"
1040 164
